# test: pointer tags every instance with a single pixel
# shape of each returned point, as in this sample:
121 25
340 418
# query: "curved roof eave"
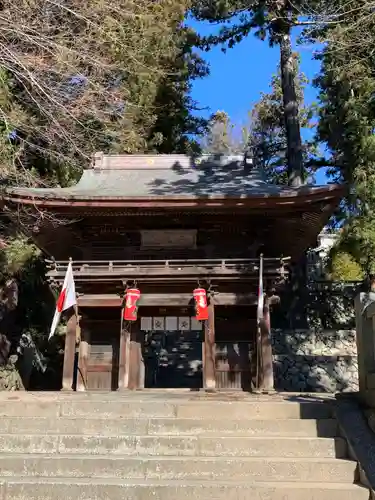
286 196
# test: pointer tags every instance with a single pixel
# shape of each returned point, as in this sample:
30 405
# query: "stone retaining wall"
315 361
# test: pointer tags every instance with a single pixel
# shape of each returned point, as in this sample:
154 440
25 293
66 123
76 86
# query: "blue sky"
238 77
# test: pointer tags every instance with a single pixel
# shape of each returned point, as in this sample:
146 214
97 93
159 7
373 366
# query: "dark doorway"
172 350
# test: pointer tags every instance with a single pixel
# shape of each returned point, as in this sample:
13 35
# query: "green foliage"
266 18
221 137
274 20
346 111
176 128
90 77
331 306
343 267
17 251
79 77
357 239
267 137
347 123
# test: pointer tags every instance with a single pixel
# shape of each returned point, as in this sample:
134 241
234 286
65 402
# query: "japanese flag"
67 298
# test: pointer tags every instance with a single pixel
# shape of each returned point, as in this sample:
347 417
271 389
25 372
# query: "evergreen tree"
79 77
346 125
220 138
273 19
343 267
177 128
267 137
264 137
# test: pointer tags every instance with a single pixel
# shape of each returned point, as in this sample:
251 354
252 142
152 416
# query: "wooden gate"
103 361
235 329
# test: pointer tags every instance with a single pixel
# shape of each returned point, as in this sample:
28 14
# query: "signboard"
171 238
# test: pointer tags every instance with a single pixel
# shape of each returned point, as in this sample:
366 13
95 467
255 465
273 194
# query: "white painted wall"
316 257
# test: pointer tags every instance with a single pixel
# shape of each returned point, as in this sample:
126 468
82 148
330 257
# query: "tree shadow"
214 175
321 355
173 360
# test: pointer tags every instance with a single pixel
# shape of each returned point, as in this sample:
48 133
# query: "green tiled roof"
170 176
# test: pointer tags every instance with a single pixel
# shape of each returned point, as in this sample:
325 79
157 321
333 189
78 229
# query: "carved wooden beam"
166 299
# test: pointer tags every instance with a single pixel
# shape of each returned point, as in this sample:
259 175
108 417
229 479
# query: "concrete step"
130 408
94 489
169 426
241 446
180 468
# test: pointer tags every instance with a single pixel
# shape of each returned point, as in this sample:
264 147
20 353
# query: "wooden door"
235 329
103 362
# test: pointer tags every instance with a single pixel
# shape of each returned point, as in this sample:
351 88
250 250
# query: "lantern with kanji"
132 296
201 308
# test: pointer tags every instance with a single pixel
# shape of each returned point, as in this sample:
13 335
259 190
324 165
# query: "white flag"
67 298
260 291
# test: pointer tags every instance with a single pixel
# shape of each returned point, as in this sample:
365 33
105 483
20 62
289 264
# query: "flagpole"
83 344
259 317
66 300
75 308
80 383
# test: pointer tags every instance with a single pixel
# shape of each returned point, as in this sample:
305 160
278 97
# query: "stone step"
118 489
180 468
130 408
229 446
169 426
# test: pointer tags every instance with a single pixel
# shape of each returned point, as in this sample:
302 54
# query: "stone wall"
315 361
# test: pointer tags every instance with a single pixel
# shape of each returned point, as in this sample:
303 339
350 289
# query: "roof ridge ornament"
101 161
97 160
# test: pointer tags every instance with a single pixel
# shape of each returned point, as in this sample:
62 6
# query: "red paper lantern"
131 298
201 308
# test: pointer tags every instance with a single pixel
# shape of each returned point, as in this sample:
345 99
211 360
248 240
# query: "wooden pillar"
135 360
83 358
69 352
124 361
266 380
209 358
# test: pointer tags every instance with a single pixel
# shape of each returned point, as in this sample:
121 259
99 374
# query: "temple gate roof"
157 177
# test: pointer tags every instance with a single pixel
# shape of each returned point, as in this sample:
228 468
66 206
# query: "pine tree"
177 128
267 137
346 125
273 19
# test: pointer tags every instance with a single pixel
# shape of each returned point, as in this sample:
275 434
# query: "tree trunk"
292 124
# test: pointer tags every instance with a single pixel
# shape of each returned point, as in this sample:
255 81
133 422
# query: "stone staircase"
164 445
